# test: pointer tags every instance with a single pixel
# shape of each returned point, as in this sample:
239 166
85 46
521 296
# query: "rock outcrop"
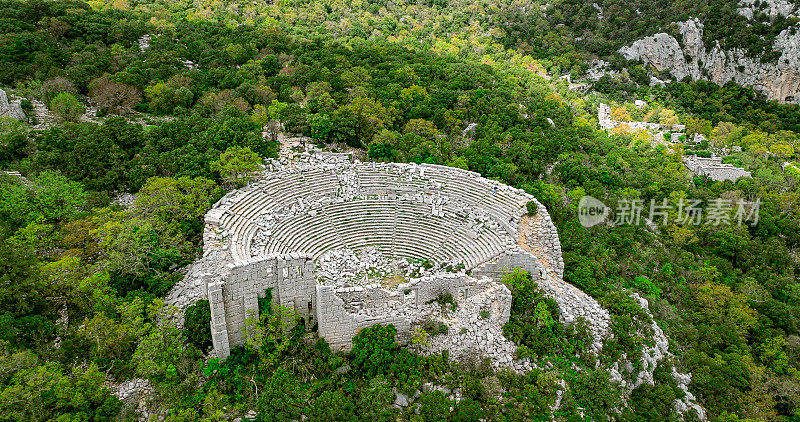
652 354
778 81
11 109
771 8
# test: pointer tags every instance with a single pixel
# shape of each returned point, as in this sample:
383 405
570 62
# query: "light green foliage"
419 338
237 166
645 285
260 115
66 107
269 333
50 197
113 339
165 97
171 201
163 356
31 390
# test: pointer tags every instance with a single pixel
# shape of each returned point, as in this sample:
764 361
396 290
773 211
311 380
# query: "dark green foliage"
332 406
283 399
434 407
374 350
468 410
197 325
532 208
655 402
265 303
534 324
731 103
380 152
593 391
100 157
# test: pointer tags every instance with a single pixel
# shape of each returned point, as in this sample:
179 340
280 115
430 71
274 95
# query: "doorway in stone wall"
265 303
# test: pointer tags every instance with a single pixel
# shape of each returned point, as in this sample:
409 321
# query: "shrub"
533 209
445 300
373 350
434 328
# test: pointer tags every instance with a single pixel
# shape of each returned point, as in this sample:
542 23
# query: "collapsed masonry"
350 244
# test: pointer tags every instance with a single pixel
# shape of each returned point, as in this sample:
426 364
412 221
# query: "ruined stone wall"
235 298
506 262
338 326
342 312
714 168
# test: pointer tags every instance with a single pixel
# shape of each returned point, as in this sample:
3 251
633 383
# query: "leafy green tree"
98 156
237 166
66 107
282 399
319 127
260 115
34 391
182 201
534 322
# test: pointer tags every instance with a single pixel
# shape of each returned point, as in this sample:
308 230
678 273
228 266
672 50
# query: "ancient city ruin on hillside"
349 244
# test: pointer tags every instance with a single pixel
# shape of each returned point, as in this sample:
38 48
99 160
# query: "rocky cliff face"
771 8
778 81
10 109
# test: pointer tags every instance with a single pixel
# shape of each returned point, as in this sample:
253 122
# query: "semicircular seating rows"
414 211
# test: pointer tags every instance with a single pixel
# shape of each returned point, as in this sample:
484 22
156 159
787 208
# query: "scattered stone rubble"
136 395
607 123
348 244
771 8
144 42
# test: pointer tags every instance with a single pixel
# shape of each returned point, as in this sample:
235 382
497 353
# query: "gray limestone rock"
779 80
10 108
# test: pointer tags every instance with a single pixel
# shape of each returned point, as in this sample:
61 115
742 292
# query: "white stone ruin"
350 244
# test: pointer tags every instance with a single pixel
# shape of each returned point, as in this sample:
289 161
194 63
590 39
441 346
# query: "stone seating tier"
414 211
401 228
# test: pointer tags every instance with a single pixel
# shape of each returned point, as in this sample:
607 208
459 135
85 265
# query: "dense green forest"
82 277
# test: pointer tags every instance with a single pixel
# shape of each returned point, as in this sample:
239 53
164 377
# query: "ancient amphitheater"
349 244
